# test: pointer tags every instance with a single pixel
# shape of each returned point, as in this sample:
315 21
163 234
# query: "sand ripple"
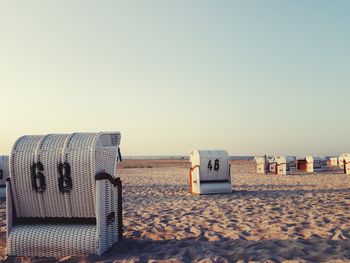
297 217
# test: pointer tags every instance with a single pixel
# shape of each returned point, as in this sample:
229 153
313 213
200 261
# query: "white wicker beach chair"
4 173
271 164
259 164
305 164
341 159
210 172
281 165
331 161
346 164
63 196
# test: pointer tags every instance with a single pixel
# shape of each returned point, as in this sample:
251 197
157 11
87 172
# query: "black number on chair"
38 178
216 165
65 180
210 167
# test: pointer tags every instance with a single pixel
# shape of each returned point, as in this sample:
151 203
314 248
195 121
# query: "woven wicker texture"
86 154
51 240
108 196
4 169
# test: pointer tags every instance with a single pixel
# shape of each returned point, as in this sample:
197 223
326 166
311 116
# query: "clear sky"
251 77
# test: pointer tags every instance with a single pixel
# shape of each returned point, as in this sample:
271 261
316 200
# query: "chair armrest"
107 176
110 218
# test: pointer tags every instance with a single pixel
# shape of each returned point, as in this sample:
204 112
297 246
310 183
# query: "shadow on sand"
315 249
226 250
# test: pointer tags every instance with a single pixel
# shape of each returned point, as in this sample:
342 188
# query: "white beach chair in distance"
63 196
4 173
271 164
280 165
305 164
291 163
210 172
319 163
259 165
346 164
341 160
331 161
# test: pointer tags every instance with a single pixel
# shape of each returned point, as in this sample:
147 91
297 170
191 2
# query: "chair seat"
47 240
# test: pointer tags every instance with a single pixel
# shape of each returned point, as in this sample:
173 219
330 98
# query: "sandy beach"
274 218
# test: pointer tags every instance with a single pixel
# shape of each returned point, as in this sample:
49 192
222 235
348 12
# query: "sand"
299 217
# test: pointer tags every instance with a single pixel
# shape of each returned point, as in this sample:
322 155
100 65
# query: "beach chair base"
46 240
215 188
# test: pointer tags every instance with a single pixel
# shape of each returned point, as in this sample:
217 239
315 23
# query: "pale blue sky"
251 77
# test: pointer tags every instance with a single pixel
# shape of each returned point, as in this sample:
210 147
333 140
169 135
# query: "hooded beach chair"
280 165
63 196
210 172
4 173
346 164
271 164
331 161
306 164
341 160
259 165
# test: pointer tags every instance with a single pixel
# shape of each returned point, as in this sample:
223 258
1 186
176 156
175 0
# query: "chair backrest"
53 176
4 169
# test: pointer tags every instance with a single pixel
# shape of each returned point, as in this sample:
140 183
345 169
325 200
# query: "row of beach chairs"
307 164
210 170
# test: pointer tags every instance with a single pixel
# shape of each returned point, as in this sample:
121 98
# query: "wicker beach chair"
4 173
341 159
259 164
280 165
346 164
210 172
63 196
305 164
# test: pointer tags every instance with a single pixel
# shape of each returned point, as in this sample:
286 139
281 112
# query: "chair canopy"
343 156
259 160
280 160
346 159
307 158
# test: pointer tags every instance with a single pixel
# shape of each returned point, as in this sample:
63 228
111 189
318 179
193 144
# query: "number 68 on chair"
210 172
